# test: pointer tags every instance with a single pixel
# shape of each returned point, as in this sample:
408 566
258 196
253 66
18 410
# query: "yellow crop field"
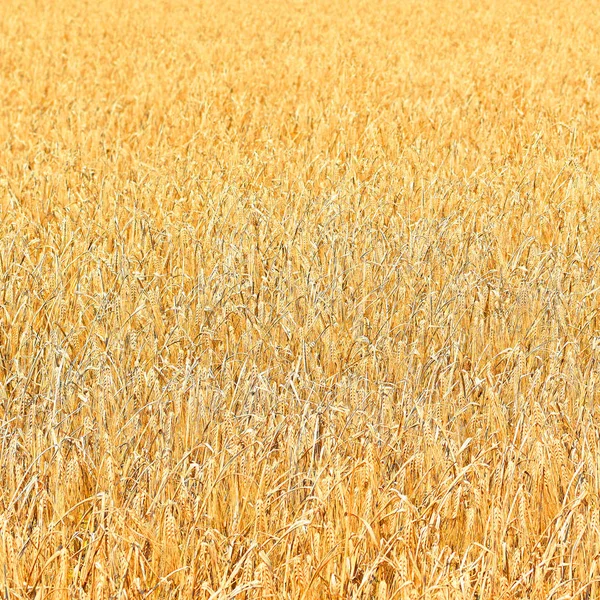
299 299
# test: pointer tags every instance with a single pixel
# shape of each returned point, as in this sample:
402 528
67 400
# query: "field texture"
299 299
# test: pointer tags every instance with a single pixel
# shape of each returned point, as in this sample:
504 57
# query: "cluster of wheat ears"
299 299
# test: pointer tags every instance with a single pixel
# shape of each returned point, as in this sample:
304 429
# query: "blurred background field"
299 299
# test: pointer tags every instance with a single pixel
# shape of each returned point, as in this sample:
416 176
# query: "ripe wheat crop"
299 299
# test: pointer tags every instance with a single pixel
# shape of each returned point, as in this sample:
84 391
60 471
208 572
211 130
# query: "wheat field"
299 299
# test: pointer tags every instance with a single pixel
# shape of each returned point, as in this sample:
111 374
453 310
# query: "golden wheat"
299 299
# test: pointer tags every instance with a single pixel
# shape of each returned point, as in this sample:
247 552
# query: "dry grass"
299 299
